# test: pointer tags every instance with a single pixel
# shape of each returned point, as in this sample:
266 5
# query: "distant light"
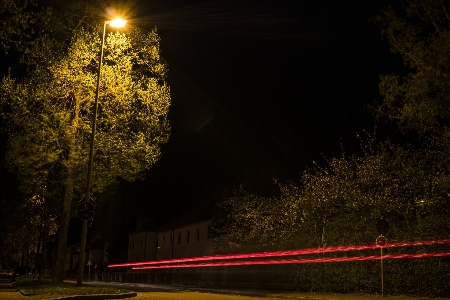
117 22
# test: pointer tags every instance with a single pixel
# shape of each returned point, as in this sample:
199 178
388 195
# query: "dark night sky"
260 89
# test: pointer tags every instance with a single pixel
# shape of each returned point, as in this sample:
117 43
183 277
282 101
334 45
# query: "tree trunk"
43 265
27 253
58 274
82 256
38 248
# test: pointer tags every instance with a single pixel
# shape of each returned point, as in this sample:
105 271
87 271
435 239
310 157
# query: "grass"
29 287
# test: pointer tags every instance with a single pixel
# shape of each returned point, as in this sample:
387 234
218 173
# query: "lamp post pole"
114 23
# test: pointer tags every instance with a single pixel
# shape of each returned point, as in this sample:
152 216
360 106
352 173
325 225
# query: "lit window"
188 233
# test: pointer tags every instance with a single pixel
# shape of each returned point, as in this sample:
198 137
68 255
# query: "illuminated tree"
49 117
340 203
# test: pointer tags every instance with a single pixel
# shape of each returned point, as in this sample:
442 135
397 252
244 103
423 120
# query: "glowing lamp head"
117 22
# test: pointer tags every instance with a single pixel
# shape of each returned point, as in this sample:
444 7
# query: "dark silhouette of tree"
418 31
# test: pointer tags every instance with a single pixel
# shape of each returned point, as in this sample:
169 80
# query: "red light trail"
281 253
297 261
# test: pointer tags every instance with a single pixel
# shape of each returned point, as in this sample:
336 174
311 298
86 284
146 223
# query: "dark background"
260 90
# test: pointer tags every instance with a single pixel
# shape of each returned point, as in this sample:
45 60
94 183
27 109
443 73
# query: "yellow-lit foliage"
50 112
340 203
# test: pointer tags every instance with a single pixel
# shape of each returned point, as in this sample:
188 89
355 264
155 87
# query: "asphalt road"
174 292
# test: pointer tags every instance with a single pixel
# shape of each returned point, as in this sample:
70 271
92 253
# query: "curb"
206 290
99 297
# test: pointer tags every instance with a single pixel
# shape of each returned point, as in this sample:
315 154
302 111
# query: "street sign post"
383 228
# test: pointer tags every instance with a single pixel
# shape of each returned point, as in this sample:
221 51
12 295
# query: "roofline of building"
187 225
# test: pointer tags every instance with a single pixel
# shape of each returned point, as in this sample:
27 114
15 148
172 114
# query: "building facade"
187 234
185 241
142 246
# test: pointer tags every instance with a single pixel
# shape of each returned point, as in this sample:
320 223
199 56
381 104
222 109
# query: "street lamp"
113 23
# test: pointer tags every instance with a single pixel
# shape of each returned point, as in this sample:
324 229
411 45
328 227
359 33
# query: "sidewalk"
6 285
7 291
